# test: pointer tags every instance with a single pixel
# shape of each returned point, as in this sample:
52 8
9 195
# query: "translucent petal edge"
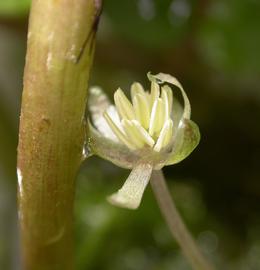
98 101
110 150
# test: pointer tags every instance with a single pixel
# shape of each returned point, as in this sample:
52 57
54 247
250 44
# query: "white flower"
146 134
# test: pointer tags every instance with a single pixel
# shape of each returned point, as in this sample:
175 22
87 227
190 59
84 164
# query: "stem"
60 49
176 225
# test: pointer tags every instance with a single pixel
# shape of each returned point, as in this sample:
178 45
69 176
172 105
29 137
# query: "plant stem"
60 49
175 223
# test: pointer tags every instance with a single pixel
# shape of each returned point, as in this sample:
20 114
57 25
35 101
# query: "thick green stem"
61 39
176 225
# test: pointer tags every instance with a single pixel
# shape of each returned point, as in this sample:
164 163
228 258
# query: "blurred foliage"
134 239
213 48
228 36
160 24
14 8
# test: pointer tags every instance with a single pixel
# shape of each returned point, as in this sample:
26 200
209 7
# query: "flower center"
146 121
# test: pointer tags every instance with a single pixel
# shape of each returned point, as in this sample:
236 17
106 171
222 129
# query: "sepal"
130 195
185 141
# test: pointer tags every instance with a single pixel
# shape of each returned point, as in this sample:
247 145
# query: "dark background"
213 48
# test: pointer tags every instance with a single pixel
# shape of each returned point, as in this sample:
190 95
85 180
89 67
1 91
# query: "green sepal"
110 150
186 140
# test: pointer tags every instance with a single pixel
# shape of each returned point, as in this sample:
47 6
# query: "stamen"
136 88
157 117
165 104
148 98
142 133
131 133
123 105
147 120
168 91
165 136
142 110
121 136
155 92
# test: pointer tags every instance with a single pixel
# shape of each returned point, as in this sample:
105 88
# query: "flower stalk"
176 225
60 47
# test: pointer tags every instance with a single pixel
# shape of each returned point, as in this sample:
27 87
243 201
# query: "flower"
150 132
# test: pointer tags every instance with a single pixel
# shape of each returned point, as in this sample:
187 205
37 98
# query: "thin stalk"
176 225
60 48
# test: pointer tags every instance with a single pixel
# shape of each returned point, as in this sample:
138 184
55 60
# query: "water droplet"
86 151
20 181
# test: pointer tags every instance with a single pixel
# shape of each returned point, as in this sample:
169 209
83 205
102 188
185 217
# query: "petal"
98 103
162 78
130 195
117 153
98 100
186 140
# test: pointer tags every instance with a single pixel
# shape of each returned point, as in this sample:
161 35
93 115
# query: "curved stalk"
176 225
60 47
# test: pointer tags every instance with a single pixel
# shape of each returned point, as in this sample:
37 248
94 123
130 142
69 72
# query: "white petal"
102 125
130 195
98 104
